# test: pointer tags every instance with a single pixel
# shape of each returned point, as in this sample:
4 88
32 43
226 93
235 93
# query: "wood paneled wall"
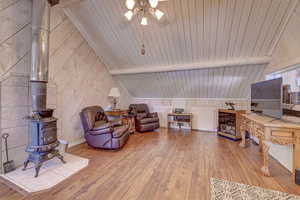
223 82
287 51
193 31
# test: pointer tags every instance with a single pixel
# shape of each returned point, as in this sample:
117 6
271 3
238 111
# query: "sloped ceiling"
223 82
193 31
202 49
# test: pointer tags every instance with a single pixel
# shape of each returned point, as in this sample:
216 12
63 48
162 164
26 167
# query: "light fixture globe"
144 21
129 15
153 3
158 14
142 9
130 4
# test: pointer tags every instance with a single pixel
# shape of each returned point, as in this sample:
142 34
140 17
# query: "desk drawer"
289 134
282 137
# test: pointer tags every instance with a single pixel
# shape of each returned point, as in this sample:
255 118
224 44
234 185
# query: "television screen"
266 98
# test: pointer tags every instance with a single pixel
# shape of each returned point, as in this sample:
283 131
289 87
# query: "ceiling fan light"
130 4
129 15
144 21
159 14
153 3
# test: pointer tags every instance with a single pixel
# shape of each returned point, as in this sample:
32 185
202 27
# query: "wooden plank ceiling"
193 32
223 82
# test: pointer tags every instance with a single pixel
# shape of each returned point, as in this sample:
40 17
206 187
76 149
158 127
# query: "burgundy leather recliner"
101 133
144 120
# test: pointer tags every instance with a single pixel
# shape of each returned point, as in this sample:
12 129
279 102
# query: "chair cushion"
101 125
148 120
119 131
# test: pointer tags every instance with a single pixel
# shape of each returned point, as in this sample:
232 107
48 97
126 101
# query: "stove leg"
25 164
37 169
60 157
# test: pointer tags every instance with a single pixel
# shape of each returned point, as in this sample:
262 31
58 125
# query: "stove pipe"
40 54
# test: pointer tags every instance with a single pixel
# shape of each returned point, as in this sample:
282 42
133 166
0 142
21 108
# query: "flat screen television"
266 98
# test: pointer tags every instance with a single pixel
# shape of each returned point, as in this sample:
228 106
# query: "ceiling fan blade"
162 0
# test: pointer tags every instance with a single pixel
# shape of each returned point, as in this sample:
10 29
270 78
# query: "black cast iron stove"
43 141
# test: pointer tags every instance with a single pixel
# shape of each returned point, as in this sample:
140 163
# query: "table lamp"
114 94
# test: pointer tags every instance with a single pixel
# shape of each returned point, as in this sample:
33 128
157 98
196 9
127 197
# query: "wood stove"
43 142
43 134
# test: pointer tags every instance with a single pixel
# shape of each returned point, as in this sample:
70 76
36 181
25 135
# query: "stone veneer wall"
77 78
15 44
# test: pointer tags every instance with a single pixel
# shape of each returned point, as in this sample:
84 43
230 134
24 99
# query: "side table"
126 118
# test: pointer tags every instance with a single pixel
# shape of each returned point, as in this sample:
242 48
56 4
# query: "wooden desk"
126 119
274 131
188 116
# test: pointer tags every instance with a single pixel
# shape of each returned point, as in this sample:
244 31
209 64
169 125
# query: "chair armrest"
117 122
101 132
153 115
101 125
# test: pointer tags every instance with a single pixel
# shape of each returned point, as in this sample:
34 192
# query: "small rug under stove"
51 173
226 190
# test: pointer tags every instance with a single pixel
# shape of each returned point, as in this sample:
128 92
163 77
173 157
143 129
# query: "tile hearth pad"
51 173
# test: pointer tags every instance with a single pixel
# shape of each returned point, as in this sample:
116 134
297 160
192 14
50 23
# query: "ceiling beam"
68 3
201 65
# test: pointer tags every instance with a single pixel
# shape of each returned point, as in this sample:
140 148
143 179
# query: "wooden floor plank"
166 164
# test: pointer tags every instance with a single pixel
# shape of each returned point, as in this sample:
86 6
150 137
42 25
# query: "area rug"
226 190
51 173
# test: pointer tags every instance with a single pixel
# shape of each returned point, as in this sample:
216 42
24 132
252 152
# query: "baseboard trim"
199 130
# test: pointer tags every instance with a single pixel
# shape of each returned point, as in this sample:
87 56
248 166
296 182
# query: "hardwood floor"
164 165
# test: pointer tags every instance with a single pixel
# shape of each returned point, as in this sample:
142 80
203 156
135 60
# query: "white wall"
204 110
283 154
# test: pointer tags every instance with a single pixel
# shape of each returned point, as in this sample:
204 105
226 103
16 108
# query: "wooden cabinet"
229 123
180 118
268 129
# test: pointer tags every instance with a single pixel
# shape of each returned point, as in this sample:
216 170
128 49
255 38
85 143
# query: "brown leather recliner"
144 120
101 133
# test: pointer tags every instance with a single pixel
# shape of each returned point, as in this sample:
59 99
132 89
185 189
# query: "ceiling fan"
143 8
